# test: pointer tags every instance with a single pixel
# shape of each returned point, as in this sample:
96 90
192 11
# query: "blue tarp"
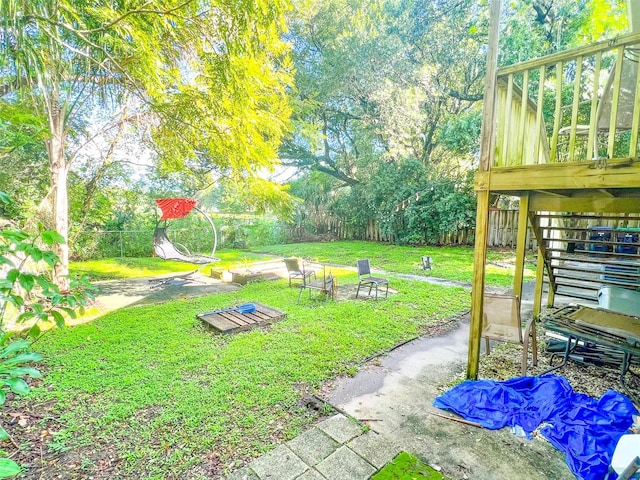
584 428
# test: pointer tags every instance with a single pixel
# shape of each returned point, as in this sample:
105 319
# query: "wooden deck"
233 322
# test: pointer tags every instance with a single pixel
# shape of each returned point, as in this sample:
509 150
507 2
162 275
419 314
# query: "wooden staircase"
584 252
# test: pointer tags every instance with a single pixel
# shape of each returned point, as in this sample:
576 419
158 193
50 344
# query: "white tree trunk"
59 173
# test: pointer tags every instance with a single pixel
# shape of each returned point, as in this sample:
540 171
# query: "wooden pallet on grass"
229 321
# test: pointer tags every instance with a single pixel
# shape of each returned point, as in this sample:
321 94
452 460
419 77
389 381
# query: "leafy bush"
28 297
412 203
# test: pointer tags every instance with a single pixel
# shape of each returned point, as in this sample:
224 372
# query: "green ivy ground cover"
154 389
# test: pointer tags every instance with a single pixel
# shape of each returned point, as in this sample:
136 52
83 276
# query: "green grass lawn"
148 392
451 263
114 268
154 388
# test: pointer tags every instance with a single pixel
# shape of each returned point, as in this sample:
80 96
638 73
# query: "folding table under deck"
614 337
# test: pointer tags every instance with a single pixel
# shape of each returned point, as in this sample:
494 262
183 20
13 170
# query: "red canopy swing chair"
163 247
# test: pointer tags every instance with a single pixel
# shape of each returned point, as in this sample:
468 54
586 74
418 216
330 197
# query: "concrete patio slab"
279 464
340 428
313 446
311 474
398 405
243 474
345 464
373 448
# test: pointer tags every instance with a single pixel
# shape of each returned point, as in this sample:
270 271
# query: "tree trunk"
59 173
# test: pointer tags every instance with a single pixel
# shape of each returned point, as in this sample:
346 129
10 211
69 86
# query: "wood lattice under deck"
233 322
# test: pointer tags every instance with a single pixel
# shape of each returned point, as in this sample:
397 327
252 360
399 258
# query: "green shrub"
27 297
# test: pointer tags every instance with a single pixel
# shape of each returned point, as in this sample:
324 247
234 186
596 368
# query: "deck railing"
577 105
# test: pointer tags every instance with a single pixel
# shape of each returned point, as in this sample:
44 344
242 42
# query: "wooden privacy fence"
503 231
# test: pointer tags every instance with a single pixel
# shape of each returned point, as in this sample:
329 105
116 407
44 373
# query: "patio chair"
501 321
326 286
296 270
364 274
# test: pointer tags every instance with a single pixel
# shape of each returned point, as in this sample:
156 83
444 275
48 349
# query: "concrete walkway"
394 397
337 448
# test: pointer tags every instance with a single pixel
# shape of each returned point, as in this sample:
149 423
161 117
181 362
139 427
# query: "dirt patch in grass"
36 444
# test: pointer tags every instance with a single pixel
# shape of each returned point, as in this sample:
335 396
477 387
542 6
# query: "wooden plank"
633 146
521 246
219 323
537 298
489 105
557 114
272 312
538 232
619 205
554 58
584 229
239 318
591 284
614 102
507 140
579 283
259 316
538 127
522 130
551 294
233 321
590 241
593 120
577 294
621 279
482 212
587 216
477 289
574 109
589 258
619 173
600 254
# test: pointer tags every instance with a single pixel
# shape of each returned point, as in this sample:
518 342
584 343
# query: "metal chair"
326 285
501 321
364 274
296 270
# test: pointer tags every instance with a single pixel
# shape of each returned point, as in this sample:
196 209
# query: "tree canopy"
387 99
374 104
206 79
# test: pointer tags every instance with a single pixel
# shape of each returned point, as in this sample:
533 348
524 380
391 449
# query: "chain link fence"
94 245
197 238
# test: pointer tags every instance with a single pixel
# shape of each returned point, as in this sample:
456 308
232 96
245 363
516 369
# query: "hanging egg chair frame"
163 247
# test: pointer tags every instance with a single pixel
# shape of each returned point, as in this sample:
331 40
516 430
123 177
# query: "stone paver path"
336 449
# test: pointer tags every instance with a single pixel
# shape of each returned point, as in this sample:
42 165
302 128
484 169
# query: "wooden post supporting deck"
521 245
482 215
